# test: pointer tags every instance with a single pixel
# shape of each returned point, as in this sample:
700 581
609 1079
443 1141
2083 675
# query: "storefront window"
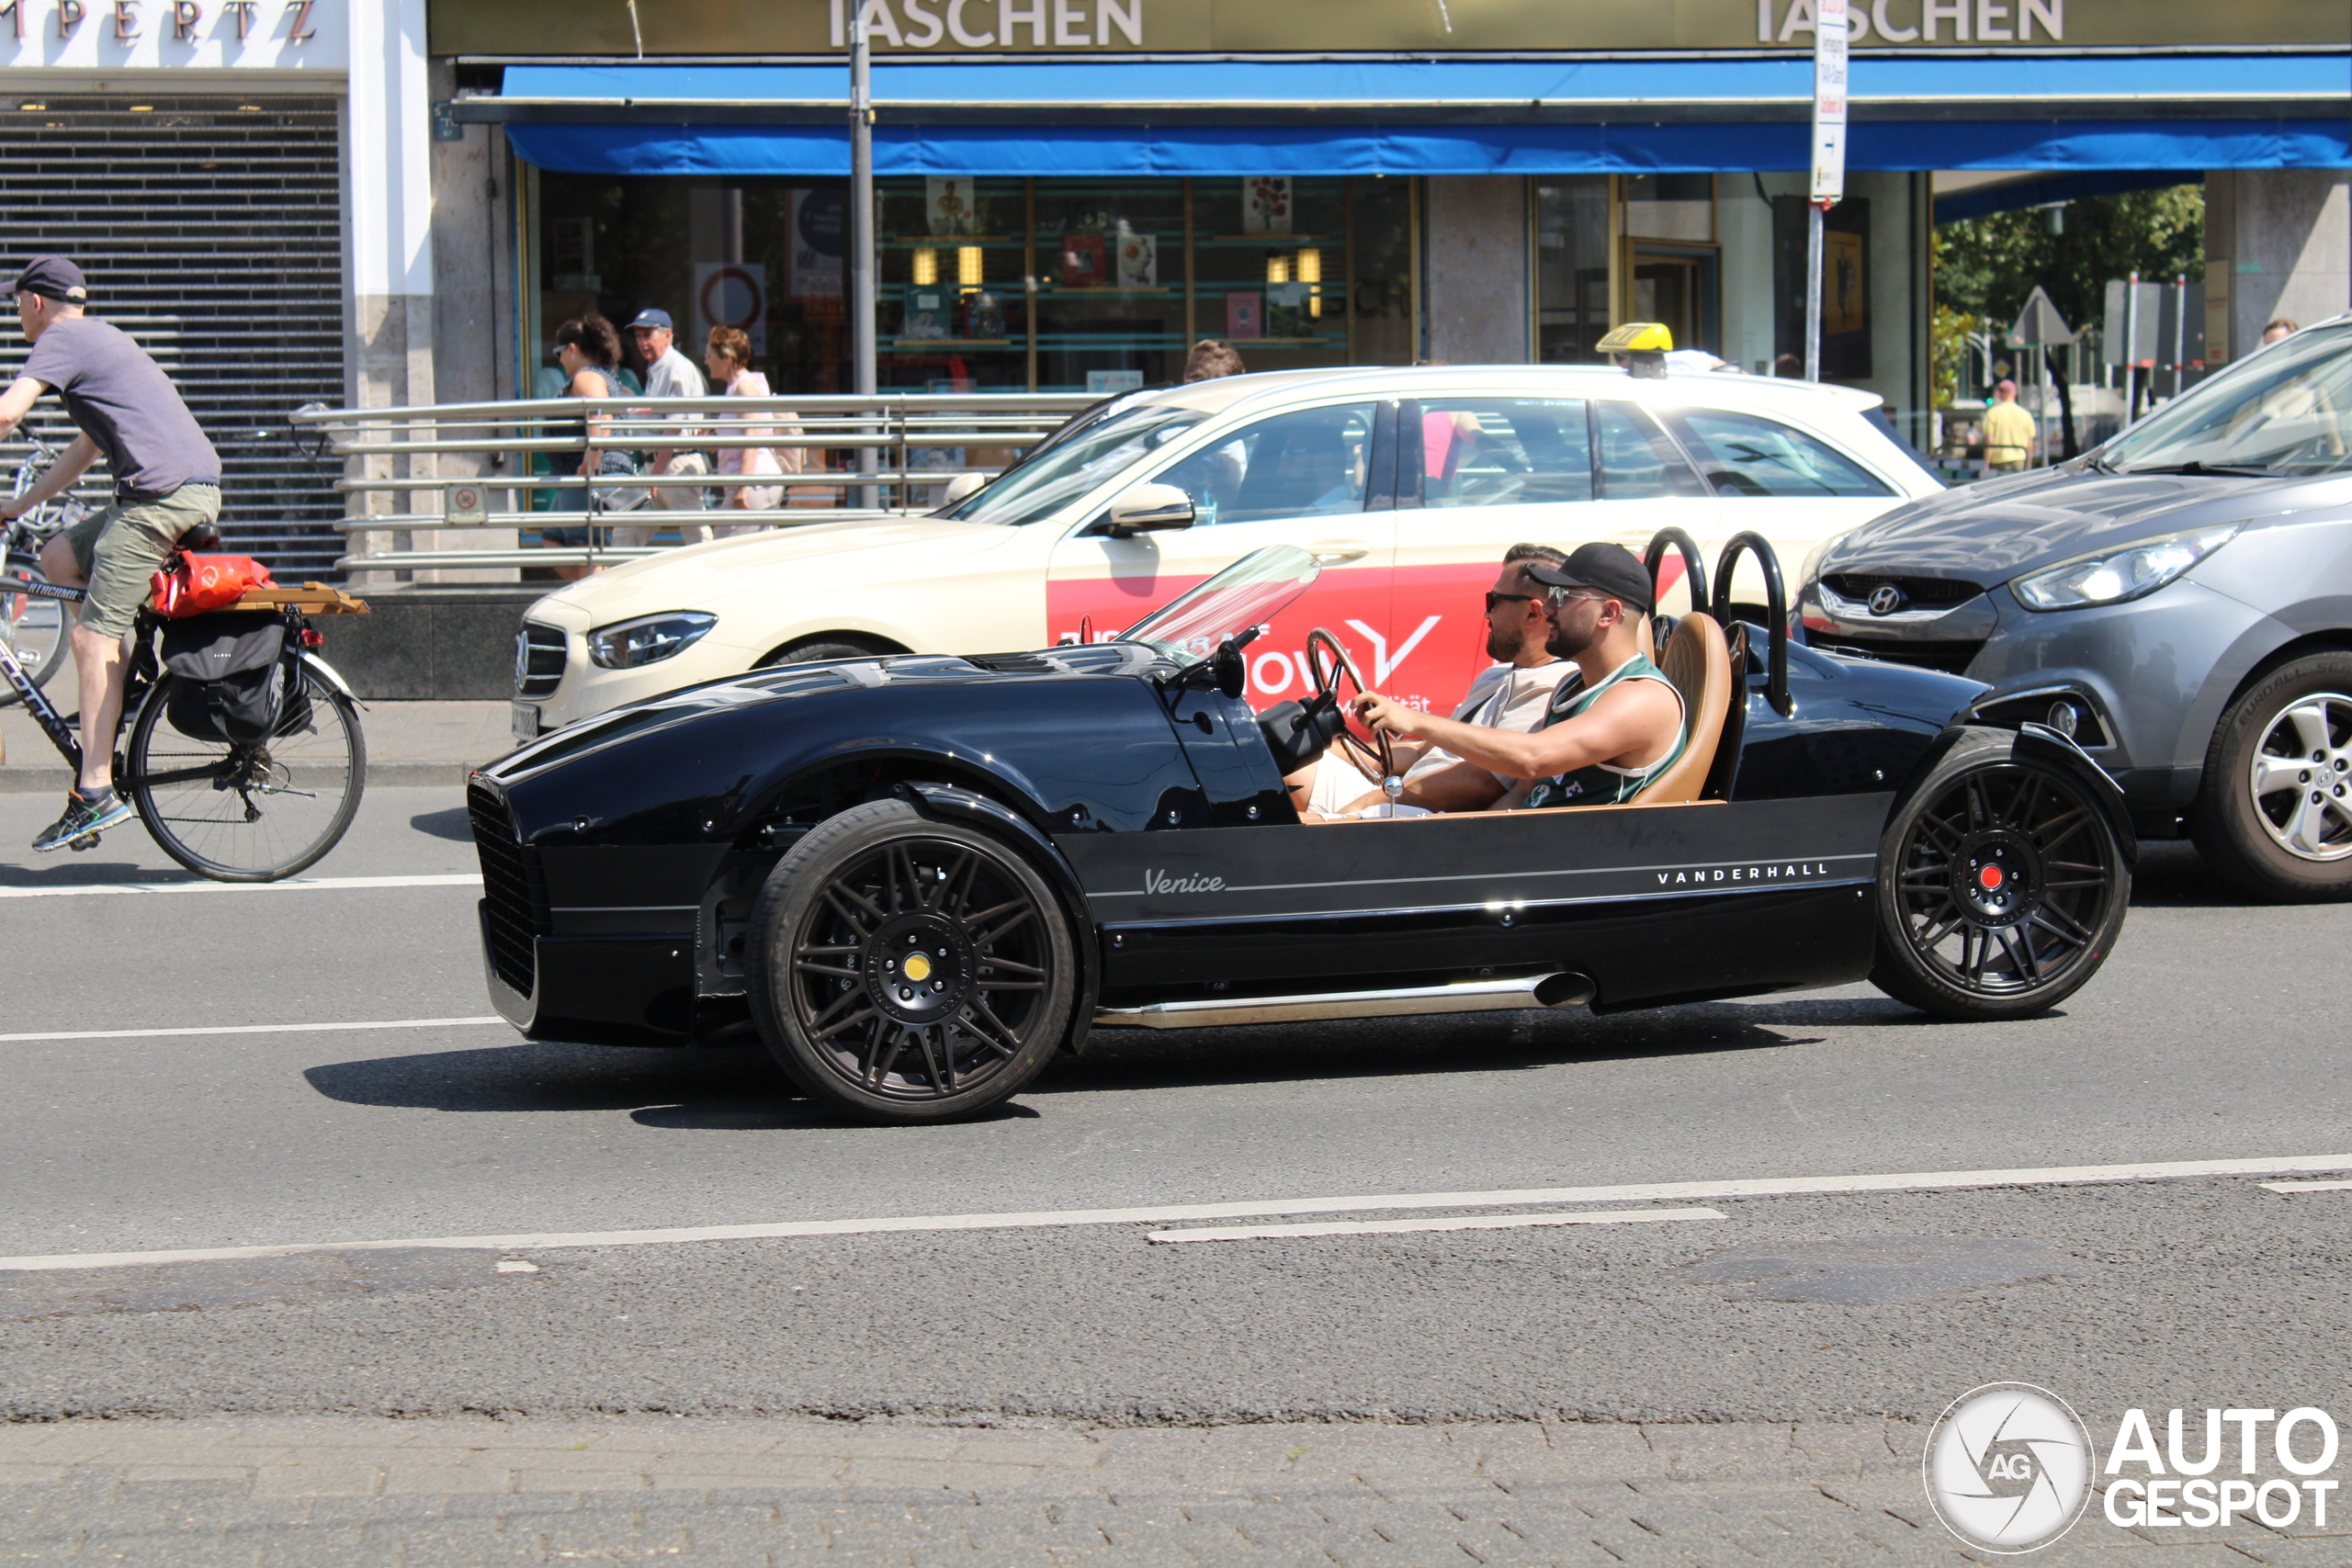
1572 269
995 283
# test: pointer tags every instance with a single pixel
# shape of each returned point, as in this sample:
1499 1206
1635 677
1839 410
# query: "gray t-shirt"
124 402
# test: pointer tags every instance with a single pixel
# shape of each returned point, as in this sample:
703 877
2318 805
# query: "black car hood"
1991 532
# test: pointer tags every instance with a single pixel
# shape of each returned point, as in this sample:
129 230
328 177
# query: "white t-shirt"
673 376
1504 697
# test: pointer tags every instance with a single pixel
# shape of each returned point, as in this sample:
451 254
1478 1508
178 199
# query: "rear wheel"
2001 885
34 628
2274 812
906 970
238 812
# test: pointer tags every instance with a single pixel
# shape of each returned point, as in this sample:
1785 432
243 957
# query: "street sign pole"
2131 348
1828 163
860 222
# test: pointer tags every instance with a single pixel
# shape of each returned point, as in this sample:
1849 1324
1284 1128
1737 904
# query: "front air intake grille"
1951 658
514 893
540 653
1919 592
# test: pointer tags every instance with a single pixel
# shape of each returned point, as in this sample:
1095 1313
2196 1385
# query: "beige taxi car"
1406 484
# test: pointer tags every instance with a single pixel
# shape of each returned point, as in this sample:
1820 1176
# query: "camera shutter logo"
2008 1467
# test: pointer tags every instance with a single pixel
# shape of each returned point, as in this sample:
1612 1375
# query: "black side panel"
617 992
1477 860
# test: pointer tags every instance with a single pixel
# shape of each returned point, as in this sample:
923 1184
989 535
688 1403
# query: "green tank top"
1599 784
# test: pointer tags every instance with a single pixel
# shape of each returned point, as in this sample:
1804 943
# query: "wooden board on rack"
312 599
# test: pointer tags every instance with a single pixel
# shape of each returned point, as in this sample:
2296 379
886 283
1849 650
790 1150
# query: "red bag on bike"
192 585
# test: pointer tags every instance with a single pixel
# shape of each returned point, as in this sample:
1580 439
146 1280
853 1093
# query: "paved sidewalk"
333 1490
408 743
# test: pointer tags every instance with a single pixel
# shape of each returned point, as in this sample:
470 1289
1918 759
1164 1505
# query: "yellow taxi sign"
1638 337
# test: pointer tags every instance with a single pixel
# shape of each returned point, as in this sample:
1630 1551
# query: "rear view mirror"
961 486
1147 509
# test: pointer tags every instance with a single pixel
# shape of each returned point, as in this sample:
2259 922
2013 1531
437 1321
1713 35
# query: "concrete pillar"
1475 229
389 223
2277 243
473 308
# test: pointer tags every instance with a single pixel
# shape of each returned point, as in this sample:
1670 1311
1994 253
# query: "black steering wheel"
1365 747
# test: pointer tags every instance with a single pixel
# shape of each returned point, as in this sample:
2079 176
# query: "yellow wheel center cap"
918 966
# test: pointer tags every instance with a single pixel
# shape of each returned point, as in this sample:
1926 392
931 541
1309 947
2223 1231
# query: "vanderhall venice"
920 878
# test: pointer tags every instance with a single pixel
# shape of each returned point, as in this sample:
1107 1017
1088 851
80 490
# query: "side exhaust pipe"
1521 992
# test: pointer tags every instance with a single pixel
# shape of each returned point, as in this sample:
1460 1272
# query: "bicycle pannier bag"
238 681
192 585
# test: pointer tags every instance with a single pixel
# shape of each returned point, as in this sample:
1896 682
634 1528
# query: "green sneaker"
85 816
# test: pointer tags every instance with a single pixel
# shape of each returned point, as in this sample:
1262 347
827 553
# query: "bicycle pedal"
86 841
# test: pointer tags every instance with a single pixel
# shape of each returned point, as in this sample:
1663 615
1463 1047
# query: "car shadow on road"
662 1088
456 824
2173 875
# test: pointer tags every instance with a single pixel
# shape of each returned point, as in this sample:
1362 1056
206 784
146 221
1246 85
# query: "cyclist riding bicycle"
166 486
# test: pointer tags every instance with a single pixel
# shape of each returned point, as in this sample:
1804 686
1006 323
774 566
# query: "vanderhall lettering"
922 885
1787 871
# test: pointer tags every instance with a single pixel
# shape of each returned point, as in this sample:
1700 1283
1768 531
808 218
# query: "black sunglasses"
1495 599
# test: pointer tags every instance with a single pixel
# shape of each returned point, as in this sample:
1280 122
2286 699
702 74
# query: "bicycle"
31 623
228 810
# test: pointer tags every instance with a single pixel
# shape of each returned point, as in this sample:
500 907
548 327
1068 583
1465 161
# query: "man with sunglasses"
1603 739
1508 695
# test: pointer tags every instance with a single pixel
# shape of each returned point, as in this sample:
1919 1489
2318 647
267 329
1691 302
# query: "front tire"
31 625
906 970
2001 885
2274 812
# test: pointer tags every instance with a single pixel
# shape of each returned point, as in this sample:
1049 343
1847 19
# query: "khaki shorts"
119 548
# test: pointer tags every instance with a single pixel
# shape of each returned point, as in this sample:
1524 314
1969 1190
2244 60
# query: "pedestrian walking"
588 349
1211 358
668 374
2010 435
729 358
167 489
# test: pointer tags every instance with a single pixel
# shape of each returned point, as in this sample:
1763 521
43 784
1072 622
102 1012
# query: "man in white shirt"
1509 695
668 374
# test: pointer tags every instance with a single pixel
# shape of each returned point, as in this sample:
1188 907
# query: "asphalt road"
2214 1033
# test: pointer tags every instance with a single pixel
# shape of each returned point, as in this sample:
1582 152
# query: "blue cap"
650 317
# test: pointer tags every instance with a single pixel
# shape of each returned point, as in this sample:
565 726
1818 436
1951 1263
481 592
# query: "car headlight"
1812 567
2113 576
648 639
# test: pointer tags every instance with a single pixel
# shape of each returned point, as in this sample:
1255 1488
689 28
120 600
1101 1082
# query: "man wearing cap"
668 374
166 484
1607 736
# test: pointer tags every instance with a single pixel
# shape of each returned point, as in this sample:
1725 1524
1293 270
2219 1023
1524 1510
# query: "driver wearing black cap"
1608 735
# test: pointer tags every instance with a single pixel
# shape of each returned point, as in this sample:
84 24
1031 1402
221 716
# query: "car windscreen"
2286 411
1250 592
1060 471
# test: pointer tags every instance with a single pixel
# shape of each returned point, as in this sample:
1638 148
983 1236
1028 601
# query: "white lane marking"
1177 1214
2305 1186
291 884
1458 1223
246 1029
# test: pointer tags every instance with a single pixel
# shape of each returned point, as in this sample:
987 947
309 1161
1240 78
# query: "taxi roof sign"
1637 337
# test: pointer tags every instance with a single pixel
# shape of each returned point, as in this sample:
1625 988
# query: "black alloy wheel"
910 970
2002 885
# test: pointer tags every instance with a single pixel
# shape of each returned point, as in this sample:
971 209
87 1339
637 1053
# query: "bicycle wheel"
33 629
248 813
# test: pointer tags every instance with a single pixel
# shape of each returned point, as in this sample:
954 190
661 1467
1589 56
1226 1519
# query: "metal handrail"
890 427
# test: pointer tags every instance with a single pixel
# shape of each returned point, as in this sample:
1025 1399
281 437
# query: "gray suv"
2179 600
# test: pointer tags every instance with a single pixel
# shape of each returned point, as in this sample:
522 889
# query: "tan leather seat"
1698 662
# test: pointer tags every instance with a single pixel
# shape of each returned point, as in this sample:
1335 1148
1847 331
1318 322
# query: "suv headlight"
2113 576
648 639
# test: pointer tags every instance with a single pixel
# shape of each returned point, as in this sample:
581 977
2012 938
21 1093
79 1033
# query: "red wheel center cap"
1990 877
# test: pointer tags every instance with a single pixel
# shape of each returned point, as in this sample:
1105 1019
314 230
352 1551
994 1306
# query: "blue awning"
1428 117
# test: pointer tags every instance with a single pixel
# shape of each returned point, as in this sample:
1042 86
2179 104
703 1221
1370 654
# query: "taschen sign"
936 28
145 35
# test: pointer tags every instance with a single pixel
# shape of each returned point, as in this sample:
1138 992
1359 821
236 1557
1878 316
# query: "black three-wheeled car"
920 878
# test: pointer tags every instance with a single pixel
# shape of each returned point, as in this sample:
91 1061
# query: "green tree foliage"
1987 267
